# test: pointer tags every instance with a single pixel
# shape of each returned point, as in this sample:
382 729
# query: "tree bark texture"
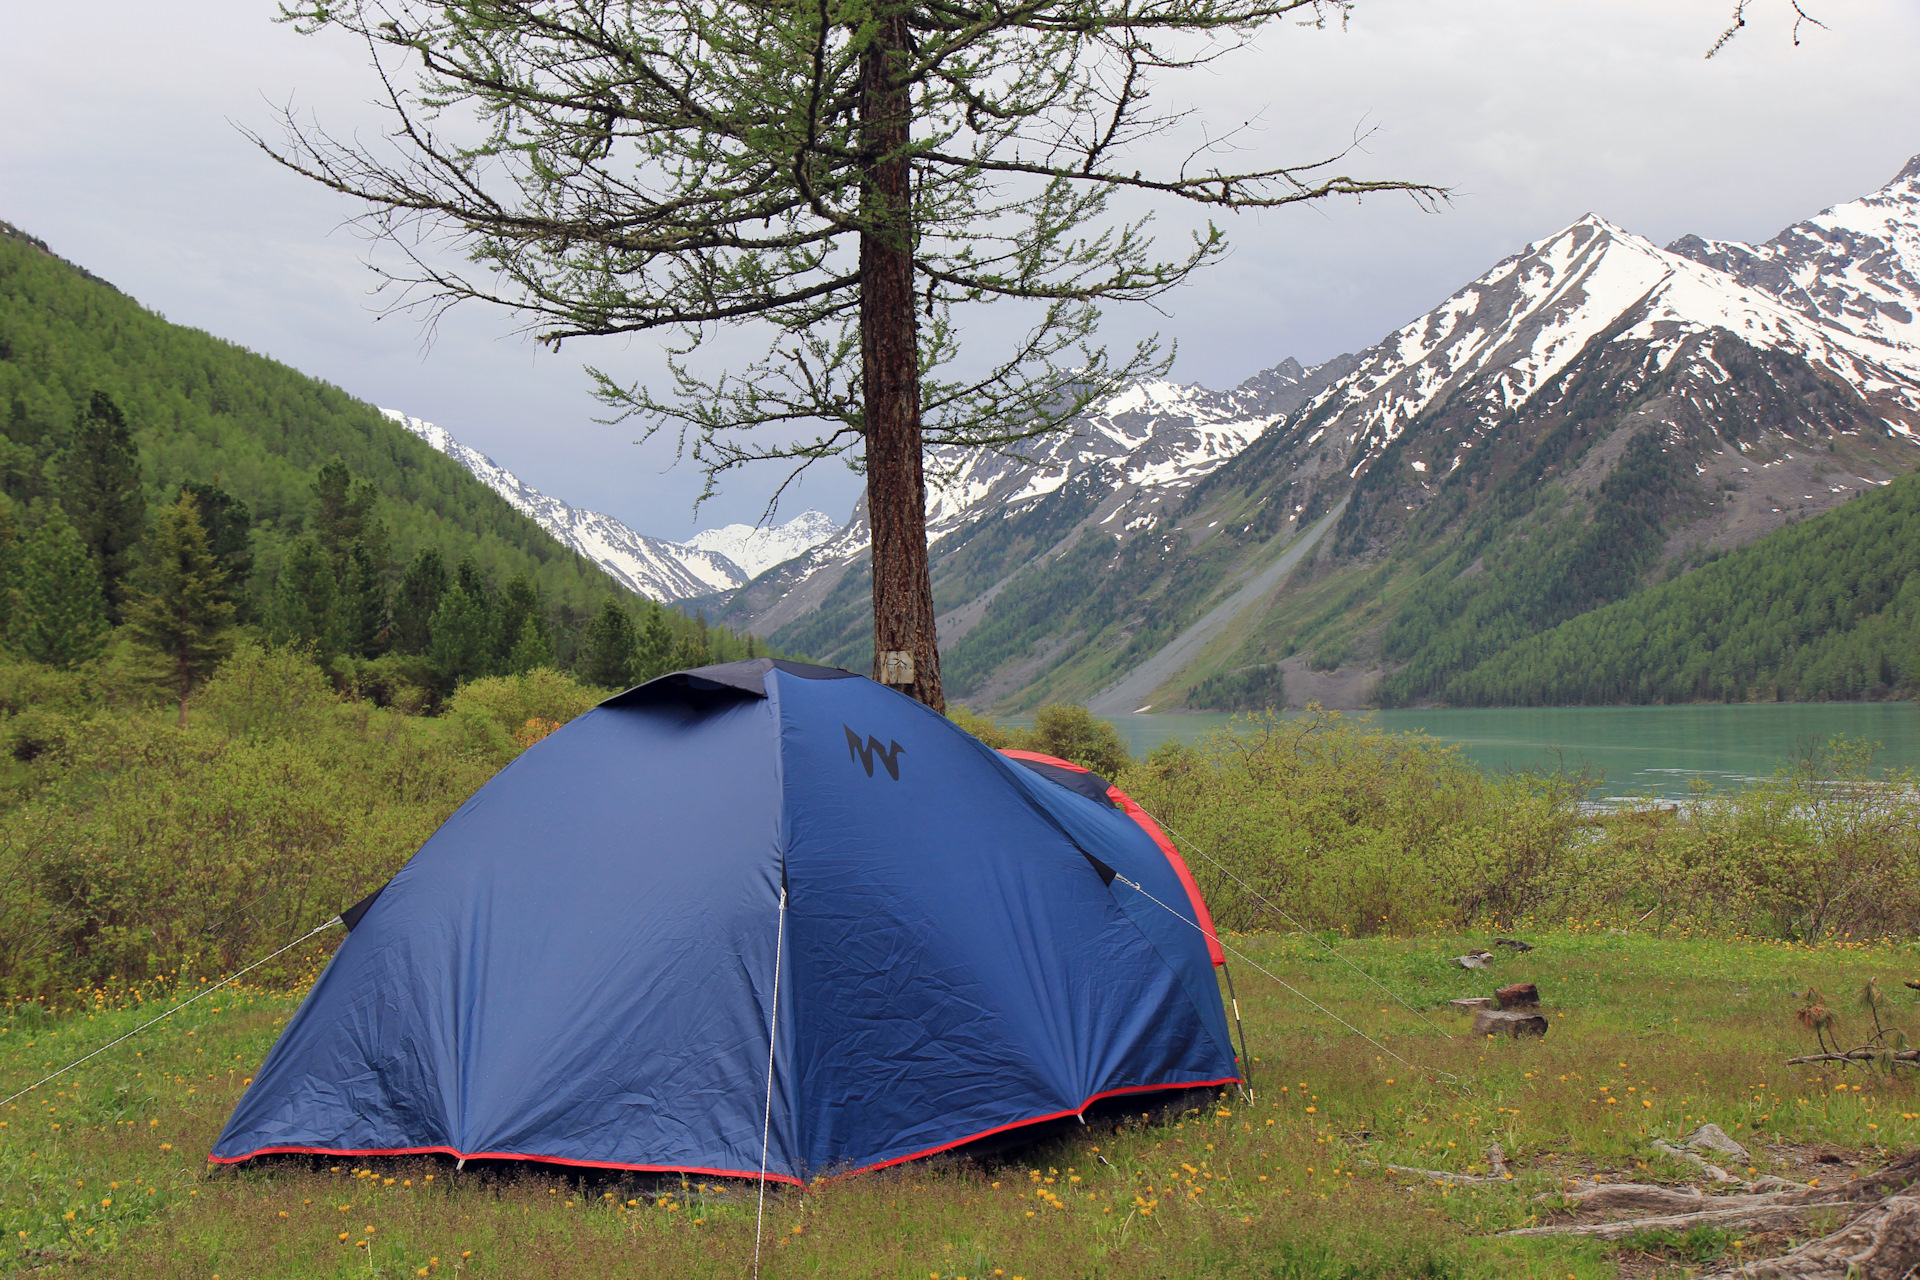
903 618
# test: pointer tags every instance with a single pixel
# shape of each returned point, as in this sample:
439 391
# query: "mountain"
653 567
1592 415
204 409
1123 466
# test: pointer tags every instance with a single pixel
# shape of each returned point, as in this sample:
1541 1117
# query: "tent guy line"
330 922
1439 1077
1269 905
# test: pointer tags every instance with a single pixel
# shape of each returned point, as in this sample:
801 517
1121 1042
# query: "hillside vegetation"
1825 610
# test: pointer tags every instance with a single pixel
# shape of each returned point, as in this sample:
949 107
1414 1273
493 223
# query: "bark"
1750 1217
890 371
1881 1244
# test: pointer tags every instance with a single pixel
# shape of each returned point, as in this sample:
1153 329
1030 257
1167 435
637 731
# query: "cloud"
121 151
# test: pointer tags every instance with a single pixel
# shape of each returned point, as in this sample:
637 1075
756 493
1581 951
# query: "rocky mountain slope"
1591 415
712 561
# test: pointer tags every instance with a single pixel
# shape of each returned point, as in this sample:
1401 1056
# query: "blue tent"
583 965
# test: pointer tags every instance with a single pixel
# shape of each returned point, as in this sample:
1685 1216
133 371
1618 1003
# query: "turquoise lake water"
1639 750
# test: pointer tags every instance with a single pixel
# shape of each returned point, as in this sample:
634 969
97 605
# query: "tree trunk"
890 372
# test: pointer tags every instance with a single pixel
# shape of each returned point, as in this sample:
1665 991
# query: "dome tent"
580 966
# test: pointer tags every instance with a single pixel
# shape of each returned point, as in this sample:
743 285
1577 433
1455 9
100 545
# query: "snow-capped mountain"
1138 452
757 548
652 567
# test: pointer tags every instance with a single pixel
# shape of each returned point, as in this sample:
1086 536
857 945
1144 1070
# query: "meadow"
104 1170
1674 947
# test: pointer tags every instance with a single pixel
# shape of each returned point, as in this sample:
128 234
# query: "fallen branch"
1496 1157
1760 1216
1881 1244
1860 1055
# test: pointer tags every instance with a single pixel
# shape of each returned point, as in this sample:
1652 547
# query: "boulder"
1711 1137
1472 1004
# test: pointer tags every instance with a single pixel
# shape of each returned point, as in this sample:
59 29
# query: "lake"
1639 750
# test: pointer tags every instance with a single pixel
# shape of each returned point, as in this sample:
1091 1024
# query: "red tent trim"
1201 915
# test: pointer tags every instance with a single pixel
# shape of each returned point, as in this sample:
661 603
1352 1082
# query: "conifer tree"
531 652
415 603
100 486
462 647
842 174
521 620
609 647
229 525
60 611
363 603
341 513
654 653
183 615
305 606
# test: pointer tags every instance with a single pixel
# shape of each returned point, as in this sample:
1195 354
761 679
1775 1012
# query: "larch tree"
184 615
842 175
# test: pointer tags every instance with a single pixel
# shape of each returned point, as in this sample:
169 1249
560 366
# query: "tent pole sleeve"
766 1122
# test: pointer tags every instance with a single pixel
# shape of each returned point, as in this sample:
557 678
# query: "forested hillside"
1827 609
313 518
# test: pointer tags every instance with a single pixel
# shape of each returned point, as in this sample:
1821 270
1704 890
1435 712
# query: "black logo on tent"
866 751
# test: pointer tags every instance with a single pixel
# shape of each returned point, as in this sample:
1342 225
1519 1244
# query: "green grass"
1675 1030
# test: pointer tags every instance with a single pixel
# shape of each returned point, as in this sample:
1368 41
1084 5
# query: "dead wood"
1713 1171
1860 1055
1517 1023
1518 995
1752 1217
1881 1244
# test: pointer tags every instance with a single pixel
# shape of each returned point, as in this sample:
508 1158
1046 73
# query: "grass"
102 1173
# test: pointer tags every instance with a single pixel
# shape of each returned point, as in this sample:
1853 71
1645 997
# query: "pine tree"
184 614
342 510
532 652
363 603
414 604
610 647
99 474
305 606
521 621
60 611
654 652
462 647
229 525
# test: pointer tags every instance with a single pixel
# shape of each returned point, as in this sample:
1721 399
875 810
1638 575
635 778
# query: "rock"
1473 959
1517 1023
1711 1137
1521 995
1472 1004
1687 1157
1515 943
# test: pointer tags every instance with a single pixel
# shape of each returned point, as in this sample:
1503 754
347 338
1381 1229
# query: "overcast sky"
120 150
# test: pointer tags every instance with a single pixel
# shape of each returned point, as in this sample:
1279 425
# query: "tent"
754 911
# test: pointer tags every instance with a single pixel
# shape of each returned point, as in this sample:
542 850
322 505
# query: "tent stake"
1246 1059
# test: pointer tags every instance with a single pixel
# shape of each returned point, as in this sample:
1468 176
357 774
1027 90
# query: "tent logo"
866 751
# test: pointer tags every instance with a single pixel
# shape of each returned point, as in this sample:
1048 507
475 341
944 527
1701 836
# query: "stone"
1518 1023
1472 1004
1711 1137
1521 995
1473 959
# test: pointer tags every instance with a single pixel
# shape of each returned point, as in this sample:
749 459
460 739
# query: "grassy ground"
102 1173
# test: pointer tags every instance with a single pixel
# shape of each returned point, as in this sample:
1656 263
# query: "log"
1521 995
1509 1022
1881 1244
1761 1216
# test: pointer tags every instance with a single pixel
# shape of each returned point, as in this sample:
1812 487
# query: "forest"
1823 610
164 495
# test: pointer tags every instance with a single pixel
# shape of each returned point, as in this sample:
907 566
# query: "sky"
123 149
